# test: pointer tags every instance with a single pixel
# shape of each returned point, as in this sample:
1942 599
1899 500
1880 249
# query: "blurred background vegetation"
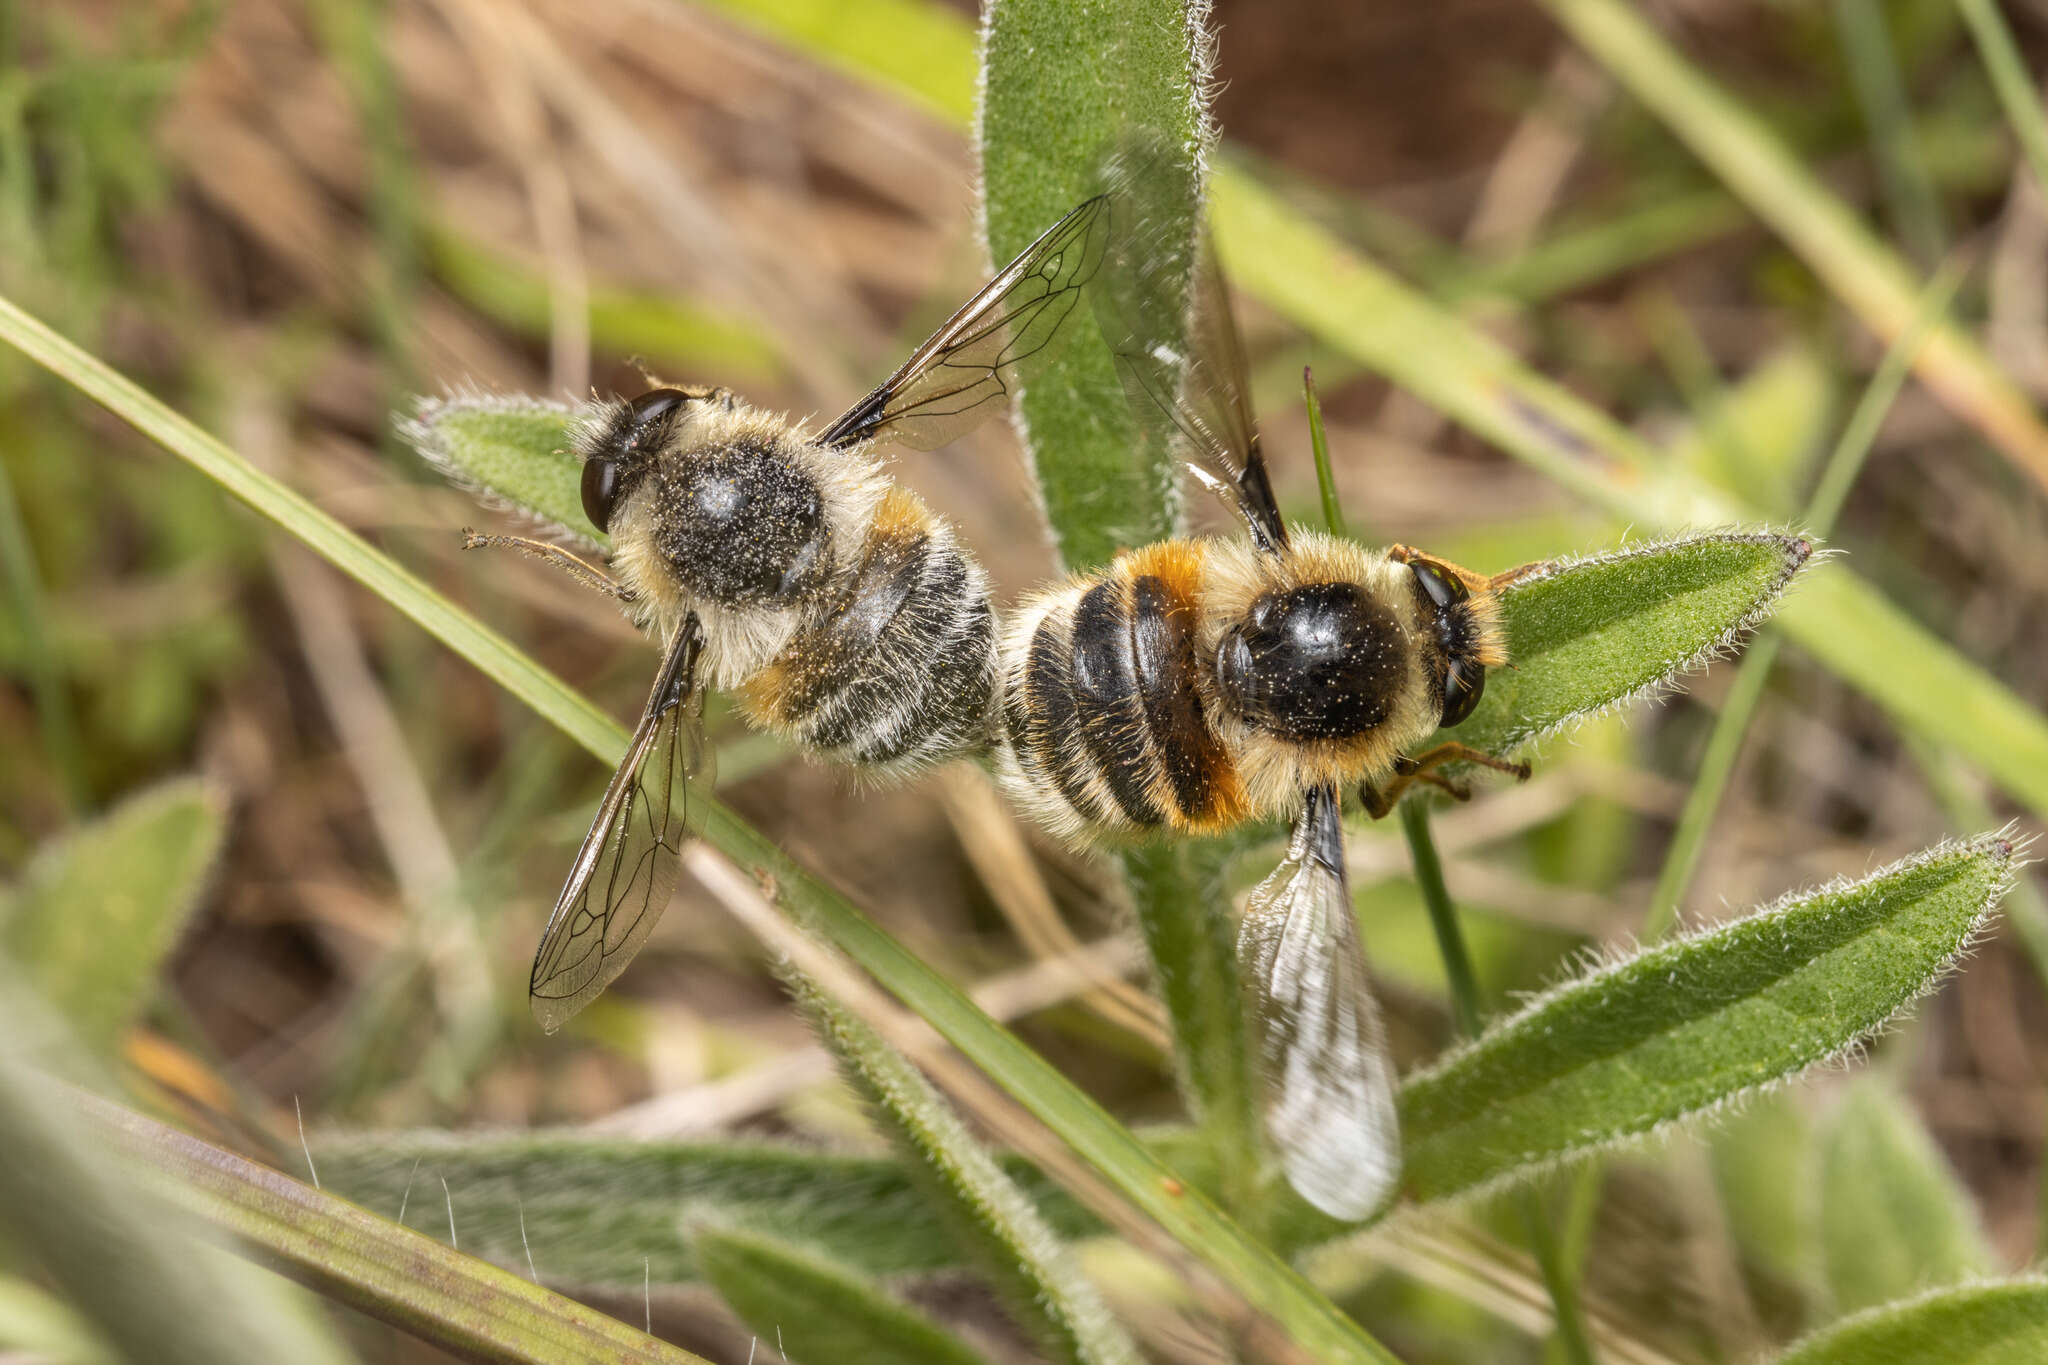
287 218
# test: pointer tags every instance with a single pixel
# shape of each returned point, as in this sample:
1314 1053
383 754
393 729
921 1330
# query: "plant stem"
1443 917
1450 942
1326 482
2009 77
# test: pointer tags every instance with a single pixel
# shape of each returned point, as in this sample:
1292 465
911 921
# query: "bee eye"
600 490
656 404
1444 589
1464 684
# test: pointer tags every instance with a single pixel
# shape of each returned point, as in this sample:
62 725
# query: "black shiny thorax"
740 523
1319 661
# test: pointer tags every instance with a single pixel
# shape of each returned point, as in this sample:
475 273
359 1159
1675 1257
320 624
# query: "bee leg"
586 574
1409 771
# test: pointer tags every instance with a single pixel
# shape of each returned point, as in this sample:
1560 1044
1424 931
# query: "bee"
789 568
1197 684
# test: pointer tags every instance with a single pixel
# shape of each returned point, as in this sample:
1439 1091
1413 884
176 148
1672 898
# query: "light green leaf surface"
1063 83
604 1212
1894 1219
1678 1029
993 1223
1242 1264
99 911
512 449
1984 1324
1590 633
817 1312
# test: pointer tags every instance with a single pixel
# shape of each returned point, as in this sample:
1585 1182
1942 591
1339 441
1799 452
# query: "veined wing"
1329 1081
965 371
1166 314
626 869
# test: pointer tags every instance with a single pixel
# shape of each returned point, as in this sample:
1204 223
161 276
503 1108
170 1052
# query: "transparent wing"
626 869
1001 336
1166 314
1329 1081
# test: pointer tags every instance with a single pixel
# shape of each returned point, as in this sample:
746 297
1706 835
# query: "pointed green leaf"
1587 634
1671 1032
1983 1324
99 911
816 1312
605 1212
509 449
996 1226
1894 1220
1062 84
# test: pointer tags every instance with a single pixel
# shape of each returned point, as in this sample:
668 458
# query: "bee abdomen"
1103 721
894 668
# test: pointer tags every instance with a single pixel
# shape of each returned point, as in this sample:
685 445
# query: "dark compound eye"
600 490
1444 589
656 404
1464 684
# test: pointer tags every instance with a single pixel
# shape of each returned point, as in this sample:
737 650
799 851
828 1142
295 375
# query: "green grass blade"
818 1312
100 910
1983 1324
1673 1031
1253 1271
994 1223
922 52
1784 193
2017 94
1874 70
358 1258
1588 634
1894 1219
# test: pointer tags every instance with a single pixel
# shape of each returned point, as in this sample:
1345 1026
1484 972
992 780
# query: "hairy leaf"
993 1221
510 449
1981 1324
818 1312
1672 1032
100 910
1894 1220
1063 83
1586 634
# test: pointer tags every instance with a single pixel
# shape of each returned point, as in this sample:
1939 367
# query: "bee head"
1466 634
620 441
1314 662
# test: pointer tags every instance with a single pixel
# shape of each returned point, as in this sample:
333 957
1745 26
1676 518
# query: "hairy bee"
1195 684
789 568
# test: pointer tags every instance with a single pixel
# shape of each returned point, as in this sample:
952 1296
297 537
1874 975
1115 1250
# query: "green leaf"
1673 1031
398 1276
1064 83
1894 1220
99 911
604 1212
1587 634
1983 1324
817 1312
992 1219
509 449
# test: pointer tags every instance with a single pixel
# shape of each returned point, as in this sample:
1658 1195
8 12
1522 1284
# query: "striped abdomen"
1103 715
893 666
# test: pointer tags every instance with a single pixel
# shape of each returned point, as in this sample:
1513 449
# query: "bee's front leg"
587 574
